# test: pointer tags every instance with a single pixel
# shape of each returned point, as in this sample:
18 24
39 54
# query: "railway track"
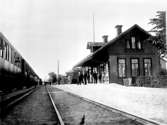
10 99
61 122
75 110
36 109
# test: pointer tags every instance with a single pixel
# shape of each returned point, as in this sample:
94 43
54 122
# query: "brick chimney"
119 29
105 38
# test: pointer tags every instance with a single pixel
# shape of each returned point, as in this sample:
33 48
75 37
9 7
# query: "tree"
52 77
159 40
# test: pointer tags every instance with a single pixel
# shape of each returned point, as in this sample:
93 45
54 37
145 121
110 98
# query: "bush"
74 81
163 72
147 81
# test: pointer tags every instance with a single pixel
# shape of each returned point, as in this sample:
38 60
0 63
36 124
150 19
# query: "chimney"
105 38
119 29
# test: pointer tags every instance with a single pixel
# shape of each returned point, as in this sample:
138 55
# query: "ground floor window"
147 67
121 67
134 67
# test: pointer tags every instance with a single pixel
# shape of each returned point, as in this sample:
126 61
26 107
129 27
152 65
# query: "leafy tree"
159 40
52 77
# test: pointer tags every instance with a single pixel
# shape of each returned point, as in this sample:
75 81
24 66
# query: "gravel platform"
36 109
75 111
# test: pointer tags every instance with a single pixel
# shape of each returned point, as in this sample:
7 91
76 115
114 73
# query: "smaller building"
73 76
93 46
164 63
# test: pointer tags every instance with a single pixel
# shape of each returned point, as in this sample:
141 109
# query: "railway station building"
125 58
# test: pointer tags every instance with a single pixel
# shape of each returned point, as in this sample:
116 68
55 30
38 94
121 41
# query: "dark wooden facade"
128 55
142 53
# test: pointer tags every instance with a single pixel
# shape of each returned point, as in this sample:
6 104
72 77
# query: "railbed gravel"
75 111
36 109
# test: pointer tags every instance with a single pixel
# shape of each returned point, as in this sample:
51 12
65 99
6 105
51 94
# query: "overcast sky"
45 31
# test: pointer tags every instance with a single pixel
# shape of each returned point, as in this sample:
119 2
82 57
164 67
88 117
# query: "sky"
45 31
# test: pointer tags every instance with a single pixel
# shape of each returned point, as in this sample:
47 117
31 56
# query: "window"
121 67
1 47
128 44
133 42
4 51
7 52
1 53
10 54
139 45
147 67
134 67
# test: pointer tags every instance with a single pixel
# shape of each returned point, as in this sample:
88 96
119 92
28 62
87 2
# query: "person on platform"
85 77
80 78
95 77
100 77
88 76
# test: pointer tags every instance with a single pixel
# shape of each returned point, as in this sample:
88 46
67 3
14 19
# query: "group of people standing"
89 77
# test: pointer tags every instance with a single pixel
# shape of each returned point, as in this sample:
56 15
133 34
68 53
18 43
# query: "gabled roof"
121 35
104 48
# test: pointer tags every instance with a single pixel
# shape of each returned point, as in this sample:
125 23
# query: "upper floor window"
139 44
133 43
128 44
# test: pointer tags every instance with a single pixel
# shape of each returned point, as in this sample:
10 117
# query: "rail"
9 100
55 108
129 115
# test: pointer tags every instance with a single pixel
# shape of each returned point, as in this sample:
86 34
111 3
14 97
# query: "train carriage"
15 72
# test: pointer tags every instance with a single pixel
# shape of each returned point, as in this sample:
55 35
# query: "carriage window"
1 47
7 52
4 51
10 54
1 52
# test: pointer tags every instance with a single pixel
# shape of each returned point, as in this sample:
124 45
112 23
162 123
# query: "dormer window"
127 44
139 45
133 42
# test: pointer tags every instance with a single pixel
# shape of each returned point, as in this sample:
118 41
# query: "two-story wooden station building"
128 55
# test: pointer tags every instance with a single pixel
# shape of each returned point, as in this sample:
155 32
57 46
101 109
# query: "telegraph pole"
93 28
